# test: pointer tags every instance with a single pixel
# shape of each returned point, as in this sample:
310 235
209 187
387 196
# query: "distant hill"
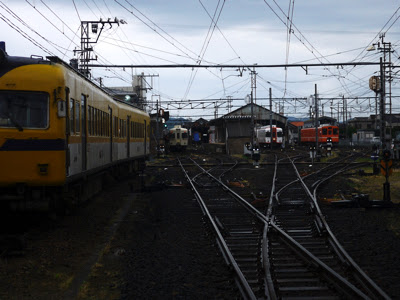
176 121
294 119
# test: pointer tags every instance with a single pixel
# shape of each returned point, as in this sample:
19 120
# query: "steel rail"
332 276
269 282
246 289
250 208
373 289
339 280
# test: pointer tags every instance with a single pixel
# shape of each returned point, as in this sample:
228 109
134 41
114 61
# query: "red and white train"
264 136
326 133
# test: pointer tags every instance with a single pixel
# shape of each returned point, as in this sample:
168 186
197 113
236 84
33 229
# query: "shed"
234 128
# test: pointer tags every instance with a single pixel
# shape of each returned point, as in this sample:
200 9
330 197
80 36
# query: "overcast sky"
242 32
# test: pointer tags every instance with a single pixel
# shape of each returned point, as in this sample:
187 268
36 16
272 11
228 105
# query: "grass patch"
373 185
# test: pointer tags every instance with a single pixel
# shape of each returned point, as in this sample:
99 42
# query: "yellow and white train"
59 132
178 138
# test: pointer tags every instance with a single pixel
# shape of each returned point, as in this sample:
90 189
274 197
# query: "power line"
205 46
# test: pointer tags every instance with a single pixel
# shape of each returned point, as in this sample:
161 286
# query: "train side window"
92 120
98 120
89 120
95 121
115 126
72 115
103 123
106 124
77 117
324 131
100 114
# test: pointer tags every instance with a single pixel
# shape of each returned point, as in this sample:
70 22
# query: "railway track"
305 259
237 224
287 252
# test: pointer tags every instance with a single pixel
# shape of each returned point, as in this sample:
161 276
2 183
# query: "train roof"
8 63
178 127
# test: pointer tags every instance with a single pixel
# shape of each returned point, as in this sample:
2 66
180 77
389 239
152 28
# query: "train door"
67 132
111 119
128 136
84 128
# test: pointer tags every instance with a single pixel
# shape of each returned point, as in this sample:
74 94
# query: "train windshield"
24 109
280 134
335 131
184 135
268 134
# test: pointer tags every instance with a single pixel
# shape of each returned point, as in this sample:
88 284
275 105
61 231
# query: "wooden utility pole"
270 115
316 119
382 127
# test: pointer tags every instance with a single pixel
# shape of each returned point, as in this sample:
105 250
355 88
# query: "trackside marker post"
386 170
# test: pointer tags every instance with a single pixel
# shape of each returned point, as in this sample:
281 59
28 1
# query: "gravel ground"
125 244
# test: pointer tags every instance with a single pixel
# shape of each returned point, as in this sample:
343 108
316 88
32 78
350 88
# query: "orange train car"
325 132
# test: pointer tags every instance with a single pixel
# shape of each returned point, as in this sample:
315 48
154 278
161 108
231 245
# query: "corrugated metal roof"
297 123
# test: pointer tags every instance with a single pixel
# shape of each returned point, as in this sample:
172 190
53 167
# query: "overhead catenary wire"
206 42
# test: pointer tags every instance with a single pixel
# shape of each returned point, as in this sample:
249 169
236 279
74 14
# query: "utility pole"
382 127
157 129
229 100
253 95
376 111
338 112
316 120
86 50
140 86
270 115
384 47
344 118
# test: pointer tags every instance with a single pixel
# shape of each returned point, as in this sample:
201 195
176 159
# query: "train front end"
32 127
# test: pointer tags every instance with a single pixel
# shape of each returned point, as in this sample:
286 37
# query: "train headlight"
43 169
